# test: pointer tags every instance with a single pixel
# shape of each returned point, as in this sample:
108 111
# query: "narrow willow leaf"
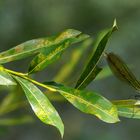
34 46
128 102
88 102
5 78
66 71
16 121
91 70
51 54
93 75
128 108
41 105
46 57
121 71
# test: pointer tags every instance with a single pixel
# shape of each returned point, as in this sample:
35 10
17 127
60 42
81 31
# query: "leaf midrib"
24 52
38 102
97 107
92 68
45 60
9 81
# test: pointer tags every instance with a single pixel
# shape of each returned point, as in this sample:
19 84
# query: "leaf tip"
62 134
61 130
115 26
115 120
72 32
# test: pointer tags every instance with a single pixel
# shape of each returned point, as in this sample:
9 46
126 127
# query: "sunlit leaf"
88 102
51 54
41 105
91 70
121 71
128 108
34 46
46 57
5 78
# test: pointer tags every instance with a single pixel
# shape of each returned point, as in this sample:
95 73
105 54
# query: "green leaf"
88 102
121 71
34 46
5 78
46 57
66 70
41 105
91 70
128 108
51 54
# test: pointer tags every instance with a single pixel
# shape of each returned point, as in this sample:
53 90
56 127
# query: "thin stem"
25 76
16 73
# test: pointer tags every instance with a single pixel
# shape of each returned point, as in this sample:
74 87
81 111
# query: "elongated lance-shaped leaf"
91 70
51 54
121 71
46 57
88 102
40 104
34 46
128 108
66 70
5 78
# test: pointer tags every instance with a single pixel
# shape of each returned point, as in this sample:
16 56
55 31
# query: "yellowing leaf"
51 54
46 57
128 108
34 46
40 104
88 102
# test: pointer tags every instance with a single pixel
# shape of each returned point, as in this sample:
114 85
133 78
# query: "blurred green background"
22 20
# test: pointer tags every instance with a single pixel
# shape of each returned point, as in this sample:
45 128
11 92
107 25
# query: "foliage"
47 51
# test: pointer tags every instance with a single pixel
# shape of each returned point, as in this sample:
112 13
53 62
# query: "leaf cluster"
48 50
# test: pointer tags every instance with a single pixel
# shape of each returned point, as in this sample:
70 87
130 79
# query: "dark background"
22 20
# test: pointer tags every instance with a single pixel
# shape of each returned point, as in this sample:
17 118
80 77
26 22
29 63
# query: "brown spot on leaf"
19 48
